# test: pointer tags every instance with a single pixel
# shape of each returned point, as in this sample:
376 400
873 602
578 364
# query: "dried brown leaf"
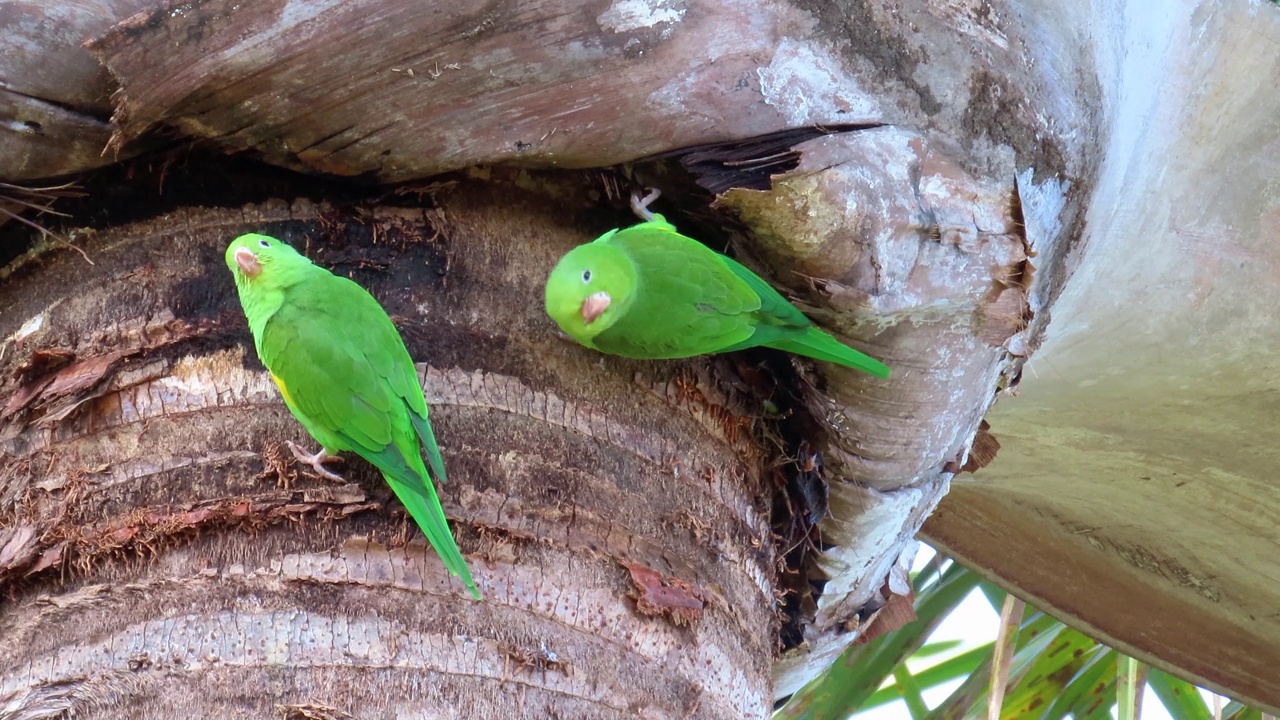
898 610
82 375
985 447
1007 315
661 595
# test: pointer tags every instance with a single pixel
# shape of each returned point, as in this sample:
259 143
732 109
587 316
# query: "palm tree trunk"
160 556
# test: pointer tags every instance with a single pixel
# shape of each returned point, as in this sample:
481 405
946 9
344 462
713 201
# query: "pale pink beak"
248 262
594 306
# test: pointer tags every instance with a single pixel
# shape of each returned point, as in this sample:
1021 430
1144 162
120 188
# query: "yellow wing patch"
284 391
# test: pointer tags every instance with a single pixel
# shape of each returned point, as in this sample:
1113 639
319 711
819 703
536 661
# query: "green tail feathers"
821 346
423 427
430 517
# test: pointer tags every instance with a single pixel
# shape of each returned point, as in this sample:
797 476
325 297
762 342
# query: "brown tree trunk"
161 558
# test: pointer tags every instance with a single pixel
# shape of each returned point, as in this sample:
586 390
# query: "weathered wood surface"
398 89
885 240
1137 474
55 98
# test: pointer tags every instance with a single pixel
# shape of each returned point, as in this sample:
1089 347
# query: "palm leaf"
1054 672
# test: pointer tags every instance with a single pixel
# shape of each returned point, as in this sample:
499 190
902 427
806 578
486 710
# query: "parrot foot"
640 205
316 461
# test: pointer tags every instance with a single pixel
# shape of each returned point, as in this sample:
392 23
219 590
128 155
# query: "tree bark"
55 98
902 230
930 112
981 160
161 557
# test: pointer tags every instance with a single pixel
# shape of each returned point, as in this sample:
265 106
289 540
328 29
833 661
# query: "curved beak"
594 306
248 262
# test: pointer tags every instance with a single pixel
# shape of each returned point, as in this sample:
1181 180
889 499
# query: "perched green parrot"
345 375
649 292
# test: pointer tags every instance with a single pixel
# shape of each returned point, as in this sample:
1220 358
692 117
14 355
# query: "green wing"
687 302
349 380
782 326
774 309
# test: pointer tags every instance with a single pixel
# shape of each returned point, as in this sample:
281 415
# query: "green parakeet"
345 374
649 292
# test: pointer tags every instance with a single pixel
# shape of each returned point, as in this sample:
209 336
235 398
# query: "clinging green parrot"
648 292
345 374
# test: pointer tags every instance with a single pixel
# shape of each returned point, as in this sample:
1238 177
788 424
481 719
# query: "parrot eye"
264 243
586 276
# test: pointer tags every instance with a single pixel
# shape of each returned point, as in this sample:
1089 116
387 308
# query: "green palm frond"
1054 671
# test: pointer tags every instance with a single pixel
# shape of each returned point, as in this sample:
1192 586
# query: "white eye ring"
264 243
586 276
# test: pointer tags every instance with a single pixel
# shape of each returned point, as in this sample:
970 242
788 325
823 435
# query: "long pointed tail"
821 346
426 511
423 427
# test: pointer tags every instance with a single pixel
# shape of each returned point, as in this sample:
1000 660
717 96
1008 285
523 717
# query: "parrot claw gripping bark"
316 461
345 374
648 292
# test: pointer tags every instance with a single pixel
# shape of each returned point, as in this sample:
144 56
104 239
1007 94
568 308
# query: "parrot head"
589 289
253 258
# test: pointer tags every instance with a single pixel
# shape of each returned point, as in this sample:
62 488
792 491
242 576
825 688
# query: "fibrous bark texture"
161 557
